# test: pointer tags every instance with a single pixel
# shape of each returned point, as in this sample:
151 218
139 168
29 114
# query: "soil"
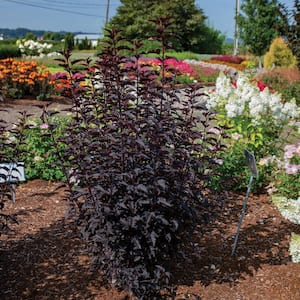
43 256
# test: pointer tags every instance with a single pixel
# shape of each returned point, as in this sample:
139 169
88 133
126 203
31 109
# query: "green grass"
56 69
51 63
178 55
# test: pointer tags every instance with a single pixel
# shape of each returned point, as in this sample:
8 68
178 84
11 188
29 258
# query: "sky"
89 15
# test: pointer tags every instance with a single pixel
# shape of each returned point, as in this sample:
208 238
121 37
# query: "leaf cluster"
140 151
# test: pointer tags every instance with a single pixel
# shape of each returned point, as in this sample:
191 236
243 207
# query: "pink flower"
214 130
44 126
292 169
289 151
78 76
60 75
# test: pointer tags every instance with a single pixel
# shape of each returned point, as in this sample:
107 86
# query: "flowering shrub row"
239 67
235 62
179 70
30 48
228 58
24 78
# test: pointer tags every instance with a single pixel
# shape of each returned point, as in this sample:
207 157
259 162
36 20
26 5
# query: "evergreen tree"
258 24
69 41
192 33
291 28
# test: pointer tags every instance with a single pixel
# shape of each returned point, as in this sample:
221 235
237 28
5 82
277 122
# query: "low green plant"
41 147
7 51
233 173
292 91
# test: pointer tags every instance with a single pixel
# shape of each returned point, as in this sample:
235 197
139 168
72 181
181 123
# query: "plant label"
250 160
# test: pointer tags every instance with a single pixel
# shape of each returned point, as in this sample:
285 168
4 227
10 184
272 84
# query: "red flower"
259 84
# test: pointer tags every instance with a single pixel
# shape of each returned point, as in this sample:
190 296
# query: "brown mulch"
44 258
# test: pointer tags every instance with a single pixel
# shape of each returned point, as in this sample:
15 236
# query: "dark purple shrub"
139 152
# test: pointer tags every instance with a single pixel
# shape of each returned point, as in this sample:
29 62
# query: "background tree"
53 36
84 44
30 36
69 41
193 34
291 27
258 24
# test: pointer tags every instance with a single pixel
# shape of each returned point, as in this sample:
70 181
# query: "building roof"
89 36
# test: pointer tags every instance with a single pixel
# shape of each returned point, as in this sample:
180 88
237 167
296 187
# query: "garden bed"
45 259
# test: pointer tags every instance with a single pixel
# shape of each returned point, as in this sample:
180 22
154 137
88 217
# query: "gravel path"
10 110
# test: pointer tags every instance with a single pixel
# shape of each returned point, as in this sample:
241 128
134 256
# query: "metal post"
242 215
107 12
236 38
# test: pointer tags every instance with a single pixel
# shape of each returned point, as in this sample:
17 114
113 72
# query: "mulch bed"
44 258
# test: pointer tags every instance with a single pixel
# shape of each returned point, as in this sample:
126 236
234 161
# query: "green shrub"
292 91
42 149
279 55
233 173
7 51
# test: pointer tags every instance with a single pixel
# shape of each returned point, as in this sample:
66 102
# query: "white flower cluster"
295 248
289 208
33 48
244 98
